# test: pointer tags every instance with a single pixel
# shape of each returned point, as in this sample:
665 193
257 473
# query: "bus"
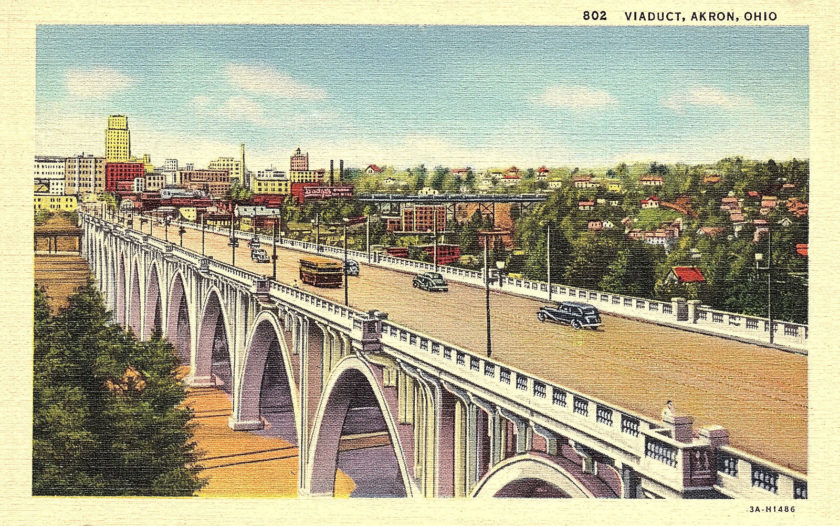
321 272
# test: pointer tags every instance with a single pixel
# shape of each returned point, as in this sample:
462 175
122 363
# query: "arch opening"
178 324
353 437
120 294
530 488
154 319
212 358
266 389
134 310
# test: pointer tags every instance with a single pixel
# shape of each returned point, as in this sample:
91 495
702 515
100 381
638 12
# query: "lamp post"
181 232
346 290
487 280
317 224
769 268
274 253
233 242
202 234
166 222
548 257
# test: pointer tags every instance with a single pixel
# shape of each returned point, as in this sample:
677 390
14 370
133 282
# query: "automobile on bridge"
351 267
430 281
259 255
573 313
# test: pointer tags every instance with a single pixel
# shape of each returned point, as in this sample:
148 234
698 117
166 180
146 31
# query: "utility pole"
367 236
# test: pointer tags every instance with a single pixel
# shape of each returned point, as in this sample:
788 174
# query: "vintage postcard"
567 252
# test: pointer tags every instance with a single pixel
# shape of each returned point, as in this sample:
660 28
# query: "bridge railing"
683 464
699 318
740 474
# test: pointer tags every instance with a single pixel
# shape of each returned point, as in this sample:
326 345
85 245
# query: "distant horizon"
456 96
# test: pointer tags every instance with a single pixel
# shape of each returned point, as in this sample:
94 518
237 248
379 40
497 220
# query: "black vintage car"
573 313
431 281
352 267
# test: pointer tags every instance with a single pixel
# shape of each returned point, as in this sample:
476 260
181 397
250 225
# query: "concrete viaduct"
451 423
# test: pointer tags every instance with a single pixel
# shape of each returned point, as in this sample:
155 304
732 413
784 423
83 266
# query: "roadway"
759 394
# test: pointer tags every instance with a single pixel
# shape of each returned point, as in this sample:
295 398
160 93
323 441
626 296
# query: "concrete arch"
212 311
349 374
120 294
179 328
135 303
153 317
519 474
265 330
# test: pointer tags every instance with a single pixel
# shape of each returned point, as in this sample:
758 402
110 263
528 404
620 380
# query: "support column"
630 483
303 430
492 433
524 439
552 439
466 442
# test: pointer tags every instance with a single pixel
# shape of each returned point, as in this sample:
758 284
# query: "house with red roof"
685 275
373 169
586 205
802 249
650 202
542 172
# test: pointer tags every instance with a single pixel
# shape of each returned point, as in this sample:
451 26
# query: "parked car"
259 255
573 313
352 267
431 281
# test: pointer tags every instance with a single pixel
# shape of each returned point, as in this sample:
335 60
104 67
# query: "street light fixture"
181 232
317 224
166 222
759 257
487 234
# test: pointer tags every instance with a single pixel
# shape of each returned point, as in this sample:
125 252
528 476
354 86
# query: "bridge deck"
759 394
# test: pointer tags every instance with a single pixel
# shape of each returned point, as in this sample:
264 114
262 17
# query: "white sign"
252 211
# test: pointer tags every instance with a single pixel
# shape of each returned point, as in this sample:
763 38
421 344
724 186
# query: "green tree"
108 410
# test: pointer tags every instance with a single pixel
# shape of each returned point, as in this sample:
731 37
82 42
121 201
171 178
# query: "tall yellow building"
233 166
117 139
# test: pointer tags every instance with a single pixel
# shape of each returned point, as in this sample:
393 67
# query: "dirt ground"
242 464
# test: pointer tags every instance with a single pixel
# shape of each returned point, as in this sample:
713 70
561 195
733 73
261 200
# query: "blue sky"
404 95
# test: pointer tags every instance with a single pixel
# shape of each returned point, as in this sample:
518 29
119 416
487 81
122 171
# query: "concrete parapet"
716 435
682 426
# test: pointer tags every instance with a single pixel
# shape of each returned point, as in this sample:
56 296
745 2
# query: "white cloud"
243 108
265 80
704 96
574 97
200 103
99 83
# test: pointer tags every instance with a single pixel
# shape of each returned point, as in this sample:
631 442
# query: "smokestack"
331 172
340 169
244 180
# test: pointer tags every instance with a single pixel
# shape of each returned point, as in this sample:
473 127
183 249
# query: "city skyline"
405 95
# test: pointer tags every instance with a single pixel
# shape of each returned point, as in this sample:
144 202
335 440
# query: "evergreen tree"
108 410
